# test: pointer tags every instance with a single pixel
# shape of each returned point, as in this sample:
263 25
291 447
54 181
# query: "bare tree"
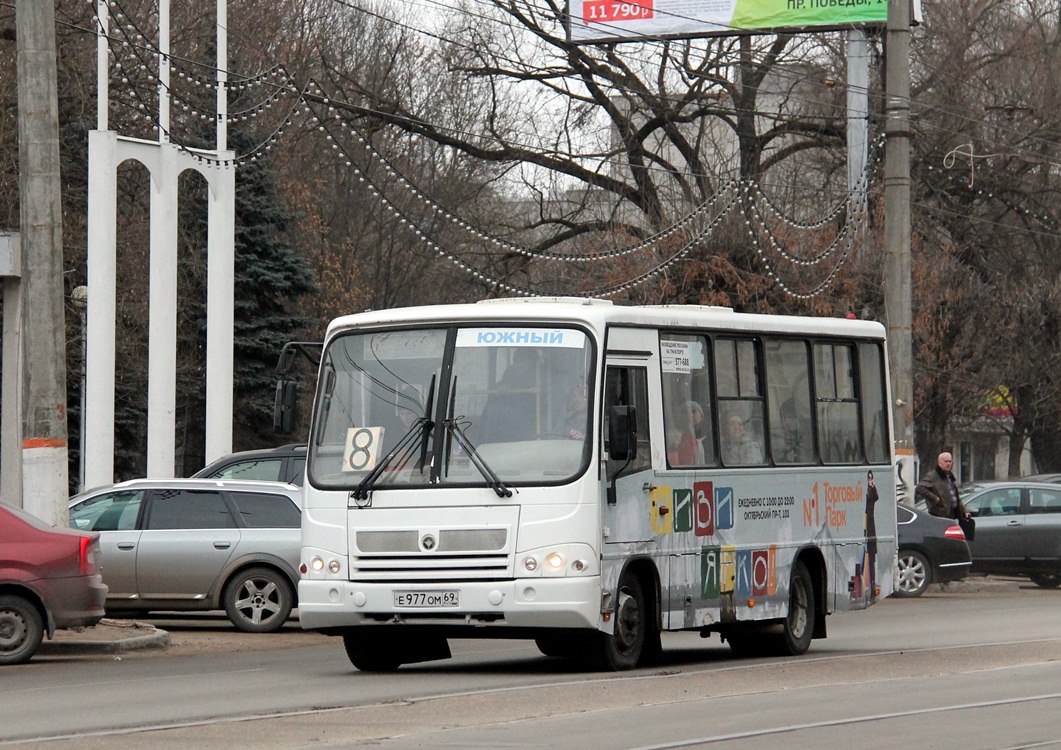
589 147
987 177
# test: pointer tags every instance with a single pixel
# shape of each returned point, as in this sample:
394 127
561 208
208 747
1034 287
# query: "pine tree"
270 279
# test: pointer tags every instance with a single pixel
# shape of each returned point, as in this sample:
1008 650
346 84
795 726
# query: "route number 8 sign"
363 446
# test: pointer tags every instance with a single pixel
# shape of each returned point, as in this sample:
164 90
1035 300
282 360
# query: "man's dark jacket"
934 488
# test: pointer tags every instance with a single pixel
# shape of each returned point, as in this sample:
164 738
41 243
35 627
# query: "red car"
49 579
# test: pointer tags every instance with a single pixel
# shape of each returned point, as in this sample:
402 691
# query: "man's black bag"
968 526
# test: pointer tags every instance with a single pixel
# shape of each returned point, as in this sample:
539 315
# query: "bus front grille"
430 567
449 540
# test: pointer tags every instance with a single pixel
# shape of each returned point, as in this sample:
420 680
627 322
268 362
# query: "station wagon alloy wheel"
258 600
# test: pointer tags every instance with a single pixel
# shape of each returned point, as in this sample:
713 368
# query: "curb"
61 647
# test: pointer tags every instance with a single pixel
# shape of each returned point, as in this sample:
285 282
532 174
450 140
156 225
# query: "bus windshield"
452 406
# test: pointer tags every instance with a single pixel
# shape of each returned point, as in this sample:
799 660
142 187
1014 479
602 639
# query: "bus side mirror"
622 433
284 406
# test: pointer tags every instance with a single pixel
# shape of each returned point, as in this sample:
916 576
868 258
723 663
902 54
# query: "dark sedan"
1018 529
931 550
49 578
284 464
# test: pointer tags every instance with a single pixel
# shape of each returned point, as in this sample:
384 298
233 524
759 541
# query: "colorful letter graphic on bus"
756 573
704 509
747 573
704 497
683 510
718 568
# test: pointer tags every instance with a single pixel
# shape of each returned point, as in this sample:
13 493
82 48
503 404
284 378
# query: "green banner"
771 14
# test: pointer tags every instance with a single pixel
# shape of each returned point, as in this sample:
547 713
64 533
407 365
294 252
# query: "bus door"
626 516
628 520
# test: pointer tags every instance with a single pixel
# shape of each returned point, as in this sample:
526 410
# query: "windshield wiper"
404 449
414 439
492 479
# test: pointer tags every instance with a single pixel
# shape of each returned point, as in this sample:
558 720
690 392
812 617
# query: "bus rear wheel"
623 648
798 628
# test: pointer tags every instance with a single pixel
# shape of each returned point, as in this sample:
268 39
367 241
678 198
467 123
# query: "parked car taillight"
89 556
954 532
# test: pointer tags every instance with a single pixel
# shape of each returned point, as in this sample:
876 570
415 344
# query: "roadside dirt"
191 634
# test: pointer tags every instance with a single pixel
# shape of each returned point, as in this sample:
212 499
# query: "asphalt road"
944 671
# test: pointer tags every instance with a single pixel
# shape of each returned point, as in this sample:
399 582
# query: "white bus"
589 475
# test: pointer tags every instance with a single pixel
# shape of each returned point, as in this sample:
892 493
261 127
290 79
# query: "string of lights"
772 273
752 212
660 268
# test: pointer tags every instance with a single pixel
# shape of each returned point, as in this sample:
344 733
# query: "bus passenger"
576 412
510 414
788 442
738 447
684 445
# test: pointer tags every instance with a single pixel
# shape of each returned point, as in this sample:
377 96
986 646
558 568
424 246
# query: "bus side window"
628 386
687 403
874 416
839 437
788 386
740 402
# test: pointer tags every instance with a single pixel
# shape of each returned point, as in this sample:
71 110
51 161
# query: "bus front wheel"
623 648
370 654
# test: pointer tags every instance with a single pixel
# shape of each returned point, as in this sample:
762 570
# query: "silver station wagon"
196 545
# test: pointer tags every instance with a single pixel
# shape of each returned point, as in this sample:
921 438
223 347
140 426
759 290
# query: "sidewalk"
106 637
975 584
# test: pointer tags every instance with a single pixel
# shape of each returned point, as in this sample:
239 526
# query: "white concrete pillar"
220 294
162 331
102 268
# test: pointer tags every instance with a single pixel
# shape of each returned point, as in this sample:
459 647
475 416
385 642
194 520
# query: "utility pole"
44 434
897 282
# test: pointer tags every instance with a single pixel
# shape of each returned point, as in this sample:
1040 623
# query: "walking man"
940 491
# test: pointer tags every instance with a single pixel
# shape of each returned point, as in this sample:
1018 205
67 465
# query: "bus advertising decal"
703 509
747 572
824 507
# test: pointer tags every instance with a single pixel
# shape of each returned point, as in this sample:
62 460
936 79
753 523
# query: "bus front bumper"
521 603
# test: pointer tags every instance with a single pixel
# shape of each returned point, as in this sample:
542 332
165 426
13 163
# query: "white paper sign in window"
363 447
681 356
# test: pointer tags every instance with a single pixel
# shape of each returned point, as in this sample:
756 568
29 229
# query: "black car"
931 550
1045 478
1018 529
284 464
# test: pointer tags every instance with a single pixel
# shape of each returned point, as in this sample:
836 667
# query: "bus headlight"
316 564
334 567
560 561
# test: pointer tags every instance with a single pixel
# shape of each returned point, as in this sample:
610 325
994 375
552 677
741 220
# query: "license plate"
427 599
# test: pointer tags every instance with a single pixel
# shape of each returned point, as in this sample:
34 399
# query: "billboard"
616 20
